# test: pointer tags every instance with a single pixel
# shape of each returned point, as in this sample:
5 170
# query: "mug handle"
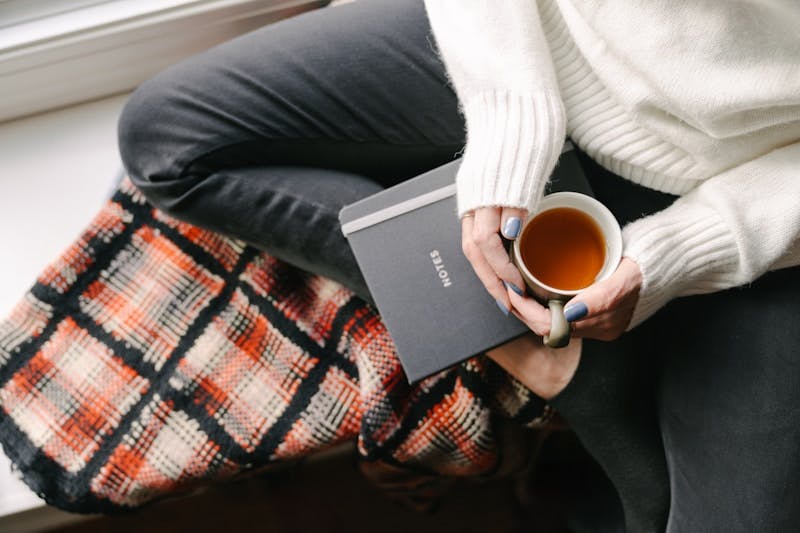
559 327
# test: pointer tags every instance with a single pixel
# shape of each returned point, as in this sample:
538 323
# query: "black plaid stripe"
164 447
71 396
150 317
333 414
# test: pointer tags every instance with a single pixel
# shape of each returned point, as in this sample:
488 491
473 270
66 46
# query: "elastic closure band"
396 210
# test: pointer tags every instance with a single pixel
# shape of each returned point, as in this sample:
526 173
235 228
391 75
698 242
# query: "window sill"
112 47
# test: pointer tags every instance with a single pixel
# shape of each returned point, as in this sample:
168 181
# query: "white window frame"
56 55
13 12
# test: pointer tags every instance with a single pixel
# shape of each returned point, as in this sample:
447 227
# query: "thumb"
511 221
594 301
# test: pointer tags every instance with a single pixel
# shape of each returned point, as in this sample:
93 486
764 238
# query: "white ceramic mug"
553 297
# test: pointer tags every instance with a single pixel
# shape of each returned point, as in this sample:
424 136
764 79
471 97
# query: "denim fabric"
264 138
267 136
693 413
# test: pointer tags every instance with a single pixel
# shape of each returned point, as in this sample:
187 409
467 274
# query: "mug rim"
617 236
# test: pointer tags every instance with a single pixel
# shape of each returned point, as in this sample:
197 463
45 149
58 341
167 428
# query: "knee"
136 128
151 144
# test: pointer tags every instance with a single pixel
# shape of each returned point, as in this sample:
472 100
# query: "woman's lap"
728 391
712 382
267 136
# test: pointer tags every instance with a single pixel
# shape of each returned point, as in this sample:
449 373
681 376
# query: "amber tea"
563 248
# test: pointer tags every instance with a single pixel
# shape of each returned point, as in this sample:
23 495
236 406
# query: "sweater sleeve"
499 64
727 232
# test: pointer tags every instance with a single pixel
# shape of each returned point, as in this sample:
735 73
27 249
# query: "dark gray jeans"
693 415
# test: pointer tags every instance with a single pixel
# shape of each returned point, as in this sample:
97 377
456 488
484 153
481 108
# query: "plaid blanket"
153 356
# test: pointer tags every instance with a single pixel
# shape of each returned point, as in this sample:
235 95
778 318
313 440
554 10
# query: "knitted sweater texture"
697 98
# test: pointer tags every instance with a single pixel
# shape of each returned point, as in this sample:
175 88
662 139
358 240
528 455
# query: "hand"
603 311
544 370
483 247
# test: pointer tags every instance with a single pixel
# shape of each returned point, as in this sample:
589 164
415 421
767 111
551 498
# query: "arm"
499 64
727 232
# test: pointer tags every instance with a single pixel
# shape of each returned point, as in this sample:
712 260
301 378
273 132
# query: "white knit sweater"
698 98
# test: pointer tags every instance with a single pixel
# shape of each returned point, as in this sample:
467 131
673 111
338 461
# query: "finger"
595 301
530 312
619 292
486 236
537 328
481 267
589 327
606 327
511 221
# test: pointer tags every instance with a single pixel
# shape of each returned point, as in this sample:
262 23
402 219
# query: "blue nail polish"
502 307
513 288
511 229
575 311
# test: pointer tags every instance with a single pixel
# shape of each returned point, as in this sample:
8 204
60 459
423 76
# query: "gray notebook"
407 241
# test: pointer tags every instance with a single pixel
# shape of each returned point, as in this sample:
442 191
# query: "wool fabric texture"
154 356
698 99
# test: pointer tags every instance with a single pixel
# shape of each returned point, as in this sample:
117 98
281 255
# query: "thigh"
728 396
264 138
357 87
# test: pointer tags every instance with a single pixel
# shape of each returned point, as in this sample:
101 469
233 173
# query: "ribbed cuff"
513 143
684 249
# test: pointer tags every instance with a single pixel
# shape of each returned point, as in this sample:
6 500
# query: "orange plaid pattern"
153 356
70 395
132 310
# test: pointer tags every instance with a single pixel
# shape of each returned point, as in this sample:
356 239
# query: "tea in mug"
563 248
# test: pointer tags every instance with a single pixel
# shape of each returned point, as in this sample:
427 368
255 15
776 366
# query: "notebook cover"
434 306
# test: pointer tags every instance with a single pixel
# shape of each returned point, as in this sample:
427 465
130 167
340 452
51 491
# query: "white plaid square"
150 295
243 371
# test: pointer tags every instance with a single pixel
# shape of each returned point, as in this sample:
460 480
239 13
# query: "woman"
688 113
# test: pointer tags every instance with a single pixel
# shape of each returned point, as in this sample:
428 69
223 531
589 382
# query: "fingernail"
513 288
502 307
575 311
511 229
